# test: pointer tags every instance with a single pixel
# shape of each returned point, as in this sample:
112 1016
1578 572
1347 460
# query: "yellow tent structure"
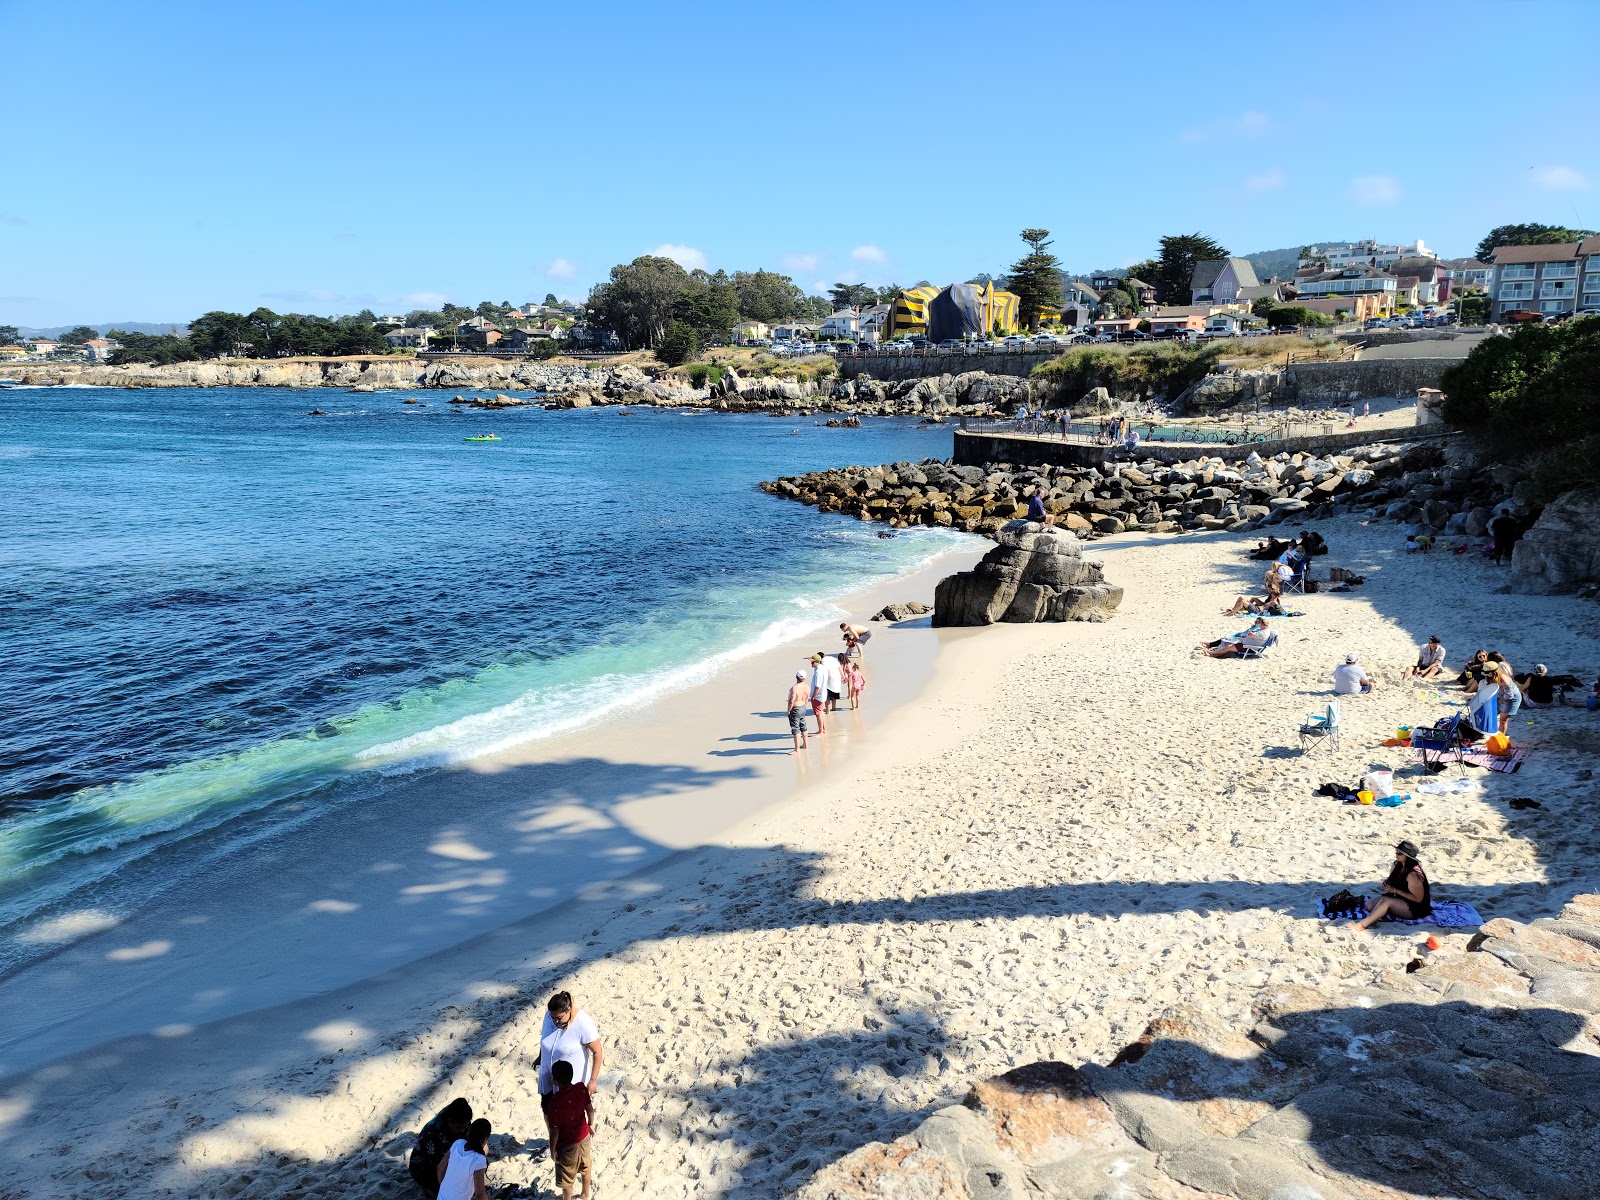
909 314
1000 310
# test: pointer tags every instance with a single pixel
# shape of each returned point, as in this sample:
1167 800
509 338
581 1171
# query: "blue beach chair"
1324 730
1436 744
1258 651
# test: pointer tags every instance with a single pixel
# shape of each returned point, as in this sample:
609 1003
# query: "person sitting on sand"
433 1143
1351 679
1407 895
1472 674
1430 661
795 705
569 1112
1253 638
1545 689
1277 575
1037 513
1269 550
462 1170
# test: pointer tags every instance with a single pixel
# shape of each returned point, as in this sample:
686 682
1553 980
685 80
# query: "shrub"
702 373
678 344
1534 389
1294 314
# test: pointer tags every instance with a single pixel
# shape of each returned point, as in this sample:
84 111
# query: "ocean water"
218 614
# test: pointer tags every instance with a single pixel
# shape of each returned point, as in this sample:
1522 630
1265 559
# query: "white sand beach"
1067 830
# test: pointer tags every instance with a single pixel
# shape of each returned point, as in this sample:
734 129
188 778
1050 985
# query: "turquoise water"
221 613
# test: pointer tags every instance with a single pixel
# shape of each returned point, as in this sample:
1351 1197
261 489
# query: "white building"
1548 280
1369 254
842 324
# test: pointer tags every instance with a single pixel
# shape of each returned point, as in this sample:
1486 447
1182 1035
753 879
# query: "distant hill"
29 331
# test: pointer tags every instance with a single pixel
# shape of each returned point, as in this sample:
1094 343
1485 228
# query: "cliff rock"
1036 573
1562 549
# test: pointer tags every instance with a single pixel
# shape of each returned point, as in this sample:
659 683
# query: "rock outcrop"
901 612
1036 573
1474 1075
1561 550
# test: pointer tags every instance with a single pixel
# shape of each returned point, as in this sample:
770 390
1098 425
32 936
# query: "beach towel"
1506 764
1439 787
1447 914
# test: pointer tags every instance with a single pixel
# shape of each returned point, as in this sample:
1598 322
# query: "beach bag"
1497 744
1343 904
1380 783
1311 585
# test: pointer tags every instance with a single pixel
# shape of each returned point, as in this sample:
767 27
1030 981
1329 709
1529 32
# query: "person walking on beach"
434 1142
795 706
568 1112
569 1035
833 679
462 1171
819 692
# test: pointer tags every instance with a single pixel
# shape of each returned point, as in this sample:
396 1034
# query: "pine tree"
1179 254
1035 279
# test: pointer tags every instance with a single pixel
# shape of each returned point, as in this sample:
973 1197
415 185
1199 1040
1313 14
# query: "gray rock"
1562 549
1036 573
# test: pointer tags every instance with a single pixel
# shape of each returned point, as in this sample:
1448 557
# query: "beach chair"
1258 651
1319 731
1297 581
1435 745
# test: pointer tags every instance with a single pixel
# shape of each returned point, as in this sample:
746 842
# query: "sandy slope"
1074 828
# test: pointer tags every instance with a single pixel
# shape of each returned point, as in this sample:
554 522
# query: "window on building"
1552 306
1563 270
1521 271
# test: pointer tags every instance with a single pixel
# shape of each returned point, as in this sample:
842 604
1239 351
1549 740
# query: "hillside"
153 327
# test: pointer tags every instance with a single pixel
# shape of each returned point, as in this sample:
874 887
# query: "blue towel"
1447 914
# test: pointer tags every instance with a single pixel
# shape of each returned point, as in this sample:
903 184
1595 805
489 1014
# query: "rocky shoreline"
568 386
1407 482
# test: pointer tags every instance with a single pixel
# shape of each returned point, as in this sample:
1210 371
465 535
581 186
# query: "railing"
524 354
1101 432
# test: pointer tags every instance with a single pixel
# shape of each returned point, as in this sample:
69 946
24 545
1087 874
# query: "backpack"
1343 904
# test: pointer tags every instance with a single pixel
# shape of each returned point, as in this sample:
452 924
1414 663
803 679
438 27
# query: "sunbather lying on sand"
1267 606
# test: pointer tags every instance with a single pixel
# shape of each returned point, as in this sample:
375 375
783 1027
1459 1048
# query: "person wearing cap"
1430 660
819 690
1543 688
1350 679
1407 895
795 704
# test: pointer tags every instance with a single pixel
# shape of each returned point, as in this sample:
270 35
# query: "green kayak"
490 438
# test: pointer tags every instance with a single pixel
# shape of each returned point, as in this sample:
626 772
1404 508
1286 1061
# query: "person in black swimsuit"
1407 895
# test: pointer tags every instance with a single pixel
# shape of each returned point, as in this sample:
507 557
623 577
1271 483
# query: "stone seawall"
360 374
978 449
1365 379
896 367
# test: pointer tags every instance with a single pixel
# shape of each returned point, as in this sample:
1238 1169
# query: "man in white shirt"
833 678
1430 660
819 690
1350 680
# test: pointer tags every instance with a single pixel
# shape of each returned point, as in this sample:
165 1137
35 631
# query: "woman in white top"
569 1033
461 1171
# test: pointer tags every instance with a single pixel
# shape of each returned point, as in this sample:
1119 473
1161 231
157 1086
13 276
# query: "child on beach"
461 1171
856 682
568 1111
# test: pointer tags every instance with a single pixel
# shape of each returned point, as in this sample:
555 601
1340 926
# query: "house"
1278 293
1465 273
1116 326
1376 287
1349 308
842 324
409 337
794 331
1141 291
478 332
11 353
1421 281
746 332
1365 253
396 321
43 347
1227 323
1218 280
873 320
1178 321
97 350
1545 279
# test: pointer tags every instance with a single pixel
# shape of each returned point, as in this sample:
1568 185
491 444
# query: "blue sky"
169 158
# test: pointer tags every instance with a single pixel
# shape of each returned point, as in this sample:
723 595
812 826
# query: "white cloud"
1253 123
802 262
1268 181
686 257
820 287
1373 191
558 268
1245 125
869 254
1559 178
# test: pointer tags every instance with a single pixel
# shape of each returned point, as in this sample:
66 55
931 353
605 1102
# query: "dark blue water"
214 604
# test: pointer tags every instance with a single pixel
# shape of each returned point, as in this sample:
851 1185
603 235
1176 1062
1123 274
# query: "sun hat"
1409 849
1541 669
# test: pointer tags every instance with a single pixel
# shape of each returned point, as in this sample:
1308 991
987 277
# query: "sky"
166 159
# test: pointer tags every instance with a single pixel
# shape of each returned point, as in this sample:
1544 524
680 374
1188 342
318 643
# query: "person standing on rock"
795 705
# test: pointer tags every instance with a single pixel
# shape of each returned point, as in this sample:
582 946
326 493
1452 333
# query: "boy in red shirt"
568 1111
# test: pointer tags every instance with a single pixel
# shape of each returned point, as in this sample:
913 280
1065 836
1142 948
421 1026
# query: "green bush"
1574 465
702 373
1536 389
678 344
1294 314
1164 368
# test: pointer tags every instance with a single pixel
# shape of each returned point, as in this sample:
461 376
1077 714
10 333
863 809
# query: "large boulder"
1035 573
1562 549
